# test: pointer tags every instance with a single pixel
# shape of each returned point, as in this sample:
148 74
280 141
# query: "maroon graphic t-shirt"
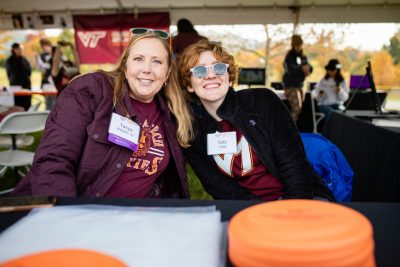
246 168
149 160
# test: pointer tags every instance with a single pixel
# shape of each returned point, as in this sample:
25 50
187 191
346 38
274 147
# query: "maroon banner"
103 38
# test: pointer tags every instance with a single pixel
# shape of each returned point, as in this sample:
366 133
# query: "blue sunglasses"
201 71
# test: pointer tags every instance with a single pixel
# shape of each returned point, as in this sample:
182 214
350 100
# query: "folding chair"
12 125
21 141
35 107
317 116
309 119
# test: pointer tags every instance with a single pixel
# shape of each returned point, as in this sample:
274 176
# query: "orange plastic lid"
65 258
300 233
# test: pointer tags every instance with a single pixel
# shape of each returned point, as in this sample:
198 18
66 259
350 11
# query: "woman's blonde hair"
191 56
171 92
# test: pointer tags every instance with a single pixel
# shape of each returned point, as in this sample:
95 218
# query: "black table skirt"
373 152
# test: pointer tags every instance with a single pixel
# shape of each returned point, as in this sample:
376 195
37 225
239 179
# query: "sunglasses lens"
219 68
139 30
200 71
162 34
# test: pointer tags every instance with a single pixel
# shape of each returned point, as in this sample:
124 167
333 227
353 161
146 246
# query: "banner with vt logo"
102 38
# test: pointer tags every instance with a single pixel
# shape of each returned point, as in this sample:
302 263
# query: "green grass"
196 189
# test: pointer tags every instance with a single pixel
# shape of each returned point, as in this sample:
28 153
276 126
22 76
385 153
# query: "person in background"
186 36
117 133
246 144
19 74
62 69
43 62
331 91
296 69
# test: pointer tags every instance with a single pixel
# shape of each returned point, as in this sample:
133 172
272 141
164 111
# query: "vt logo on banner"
91 39
102 38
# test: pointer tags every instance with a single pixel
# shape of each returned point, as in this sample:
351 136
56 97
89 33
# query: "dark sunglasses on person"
201 71
162 34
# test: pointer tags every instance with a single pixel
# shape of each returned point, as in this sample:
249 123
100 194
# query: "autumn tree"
394 48
250 53
5 38
383 68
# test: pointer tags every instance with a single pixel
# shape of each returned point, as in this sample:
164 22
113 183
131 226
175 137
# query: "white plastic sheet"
139 237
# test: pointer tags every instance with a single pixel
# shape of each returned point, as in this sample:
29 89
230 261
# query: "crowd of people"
127 133
57 70
331 91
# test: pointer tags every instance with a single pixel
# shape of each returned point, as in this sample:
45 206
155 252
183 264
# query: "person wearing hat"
332 90
19 74
296 69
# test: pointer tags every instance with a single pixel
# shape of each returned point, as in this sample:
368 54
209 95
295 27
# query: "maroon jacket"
76 159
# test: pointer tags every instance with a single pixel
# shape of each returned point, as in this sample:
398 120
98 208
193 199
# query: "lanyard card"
124 132
221 143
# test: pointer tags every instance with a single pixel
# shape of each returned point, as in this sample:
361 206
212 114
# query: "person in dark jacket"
19 73
186 36
246 144
118 133
296 69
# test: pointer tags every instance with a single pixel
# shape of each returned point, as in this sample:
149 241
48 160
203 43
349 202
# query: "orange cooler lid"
301 232
65 258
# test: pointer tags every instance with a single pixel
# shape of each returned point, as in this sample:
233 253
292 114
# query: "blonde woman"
118 133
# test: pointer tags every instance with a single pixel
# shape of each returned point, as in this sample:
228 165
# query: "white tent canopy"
203 12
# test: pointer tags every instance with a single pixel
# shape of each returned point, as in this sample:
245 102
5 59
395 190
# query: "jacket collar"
227 111
229 107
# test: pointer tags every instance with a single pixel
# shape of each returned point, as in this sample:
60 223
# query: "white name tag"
124 132
298 60
221 143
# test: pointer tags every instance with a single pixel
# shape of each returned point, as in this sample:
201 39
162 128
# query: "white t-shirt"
329 95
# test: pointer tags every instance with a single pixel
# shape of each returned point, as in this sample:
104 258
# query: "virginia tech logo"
225 161
91 39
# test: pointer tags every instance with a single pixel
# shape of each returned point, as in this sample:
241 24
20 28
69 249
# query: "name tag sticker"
298 60
124 132
221 143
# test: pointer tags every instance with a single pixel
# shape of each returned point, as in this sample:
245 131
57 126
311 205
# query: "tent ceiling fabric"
203 12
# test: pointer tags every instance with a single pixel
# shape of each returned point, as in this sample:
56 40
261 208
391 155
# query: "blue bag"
330 164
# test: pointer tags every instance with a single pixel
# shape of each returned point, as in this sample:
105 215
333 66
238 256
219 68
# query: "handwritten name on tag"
221 143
